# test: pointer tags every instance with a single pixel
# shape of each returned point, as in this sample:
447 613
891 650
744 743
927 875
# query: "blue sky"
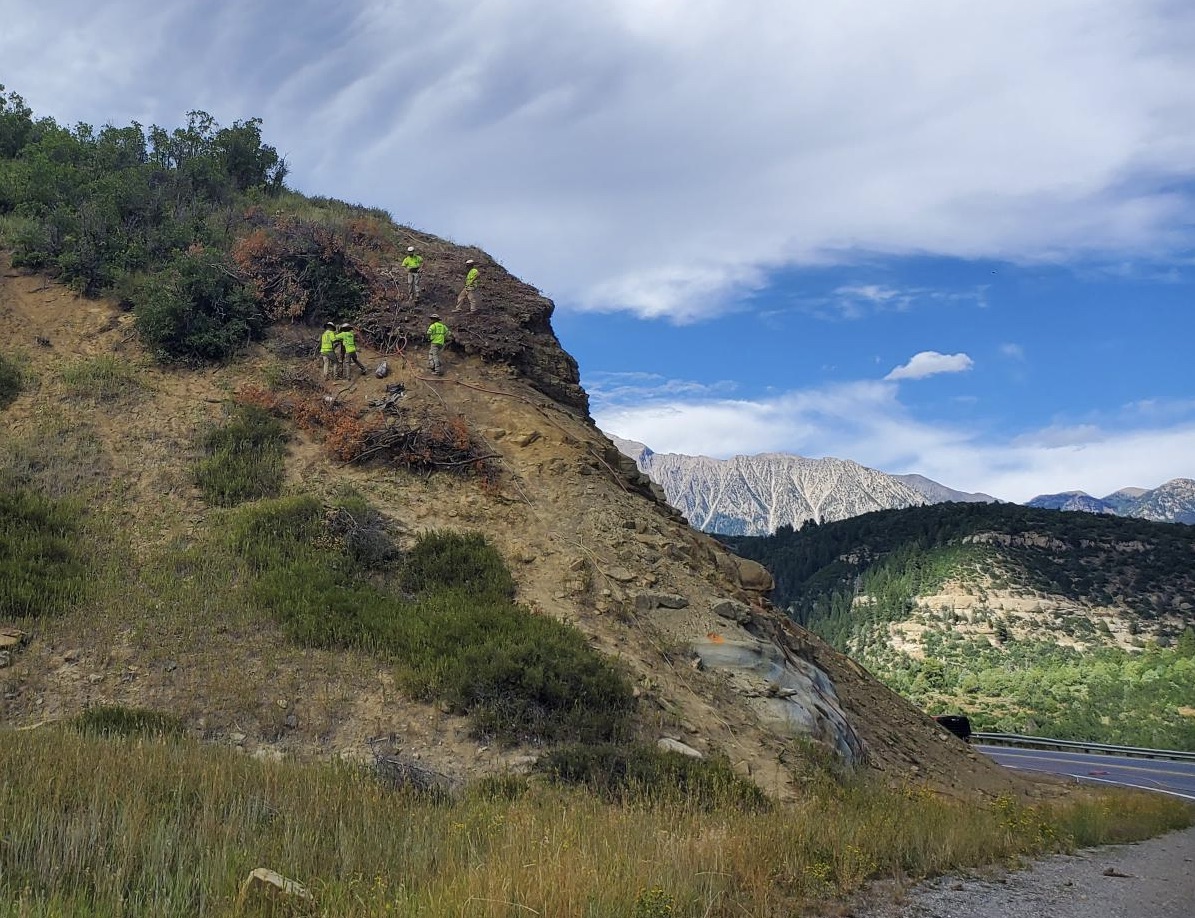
938 237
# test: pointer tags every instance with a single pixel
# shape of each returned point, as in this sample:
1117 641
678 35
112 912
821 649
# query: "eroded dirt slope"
586 540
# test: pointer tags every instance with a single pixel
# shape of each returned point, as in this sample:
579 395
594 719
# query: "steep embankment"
590 544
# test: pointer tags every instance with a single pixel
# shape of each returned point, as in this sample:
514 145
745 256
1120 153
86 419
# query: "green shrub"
43 567
518 676
195 309
453 560
276 532
456 636
116 720
630 773
104 378
10 382
243 459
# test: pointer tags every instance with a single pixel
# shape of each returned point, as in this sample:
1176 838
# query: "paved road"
1176 778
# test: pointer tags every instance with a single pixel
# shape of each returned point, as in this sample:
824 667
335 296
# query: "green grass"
243 459
10 382
115 720
138 826
102 379
628 773
44 566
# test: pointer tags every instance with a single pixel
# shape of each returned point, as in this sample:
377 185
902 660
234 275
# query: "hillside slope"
589 544
1067 622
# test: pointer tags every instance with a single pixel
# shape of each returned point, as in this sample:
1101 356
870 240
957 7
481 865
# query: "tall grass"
140 827
44 566
62 457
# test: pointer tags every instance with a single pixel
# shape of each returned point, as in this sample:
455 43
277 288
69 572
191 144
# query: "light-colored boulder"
263 881
668 744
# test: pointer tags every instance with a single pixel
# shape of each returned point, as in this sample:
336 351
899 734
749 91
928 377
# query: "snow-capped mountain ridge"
756 495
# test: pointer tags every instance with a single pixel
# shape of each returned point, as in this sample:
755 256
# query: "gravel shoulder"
1149 879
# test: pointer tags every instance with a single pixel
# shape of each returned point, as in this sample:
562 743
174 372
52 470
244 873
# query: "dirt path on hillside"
1151 879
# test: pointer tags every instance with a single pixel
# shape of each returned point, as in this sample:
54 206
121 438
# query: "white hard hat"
468 261
410 248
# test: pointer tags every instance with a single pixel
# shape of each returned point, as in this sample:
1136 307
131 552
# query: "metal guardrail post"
1044 742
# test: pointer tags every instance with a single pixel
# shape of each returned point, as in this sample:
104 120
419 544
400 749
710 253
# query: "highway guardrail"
1045 742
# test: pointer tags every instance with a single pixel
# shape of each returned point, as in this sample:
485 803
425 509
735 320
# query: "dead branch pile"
405 775
438 446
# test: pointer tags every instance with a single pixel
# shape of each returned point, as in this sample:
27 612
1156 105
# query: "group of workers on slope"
338 348
338 345
469 292
438 333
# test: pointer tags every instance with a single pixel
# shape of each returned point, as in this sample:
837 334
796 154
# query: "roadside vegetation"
1061 675
137 825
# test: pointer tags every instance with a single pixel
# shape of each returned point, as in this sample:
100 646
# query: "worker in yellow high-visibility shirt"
348 339
413 262
469 292
327 349
437 336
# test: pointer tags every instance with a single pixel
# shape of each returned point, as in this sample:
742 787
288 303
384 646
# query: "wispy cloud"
577 141
1012 351
931 363
612 389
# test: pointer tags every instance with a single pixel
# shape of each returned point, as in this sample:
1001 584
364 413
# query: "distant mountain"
1123 499
1172 502
756 495
940 494
1071 500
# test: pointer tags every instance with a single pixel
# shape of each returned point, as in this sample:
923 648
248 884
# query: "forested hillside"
1032 620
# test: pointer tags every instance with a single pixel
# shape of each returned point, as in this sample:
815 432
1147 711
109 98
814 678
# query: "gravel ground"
1151 879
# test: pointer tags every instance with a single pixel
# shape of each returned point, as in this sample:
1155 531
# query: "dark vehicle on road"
958 724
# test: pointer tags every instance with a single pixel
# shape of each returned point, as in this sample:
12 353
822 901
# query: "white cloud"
664 157
1012 351
930 363
867 423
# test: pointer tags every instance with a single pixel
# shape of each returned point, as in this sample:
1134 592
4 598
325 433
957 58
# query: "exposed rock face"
755 495
512 325
790 694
